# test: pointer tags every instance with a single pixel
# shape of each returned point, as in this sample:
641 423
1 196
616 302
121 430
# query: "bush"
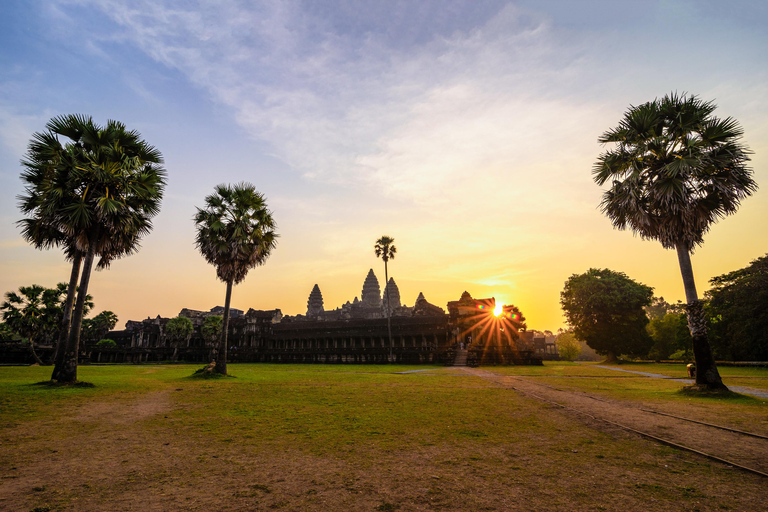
106 343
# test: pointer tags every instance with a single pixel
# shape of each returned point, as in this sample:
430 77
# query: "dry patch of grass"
329 438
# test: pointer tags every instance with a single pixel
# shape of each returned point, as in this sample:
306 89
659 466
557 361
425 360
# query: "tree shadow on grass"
57 384
695 391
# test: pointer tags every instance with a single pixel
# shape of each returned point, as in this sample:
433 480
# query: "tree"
670 334
96 328
385 250
178 330
675 170
605 309
23 313
568 346
210 331
235 233
658 308
95 195
738 308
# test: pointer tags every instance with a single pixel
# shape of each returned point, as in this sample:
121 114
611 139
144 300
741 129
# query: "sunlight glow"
498 310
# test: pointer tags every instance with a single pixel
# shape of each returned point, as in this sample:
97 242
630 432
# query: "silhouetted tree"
385 250
235 232
675 170
738 307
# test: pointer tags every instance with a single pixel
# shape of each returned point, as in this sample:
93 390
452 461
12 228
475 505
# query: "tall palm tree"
235 233
675 170
385 250
95 195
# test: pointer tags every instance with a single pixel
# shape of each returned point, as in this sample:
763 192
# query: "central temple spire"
371 296
315 302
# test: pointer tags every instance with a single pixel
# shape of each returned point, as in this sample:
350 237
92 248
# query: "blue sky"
465 130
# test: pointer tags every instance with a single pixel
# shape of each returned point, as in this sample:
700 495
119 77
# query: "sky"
465 130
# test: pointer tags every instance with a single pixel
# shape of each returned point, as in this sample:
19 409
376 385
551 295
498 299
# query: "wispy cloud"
348 108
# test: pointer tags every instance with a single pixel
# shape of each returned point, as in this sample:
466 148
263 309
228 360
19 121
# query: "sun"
498 310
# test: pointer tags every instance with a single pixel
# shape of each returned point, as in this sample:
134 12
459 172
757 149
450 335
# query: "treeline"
617 316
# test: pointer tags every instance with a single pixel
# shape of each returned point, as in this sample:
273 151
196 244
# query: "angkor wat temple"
356 332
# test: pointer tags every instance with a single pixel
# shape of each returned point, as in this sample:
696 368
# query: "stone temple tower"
315 302
394 295
371 297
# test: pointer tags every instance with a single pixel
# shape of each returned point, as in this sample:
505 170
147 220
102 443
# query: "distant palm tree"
235 233
95 195
385 250
23 312
675 170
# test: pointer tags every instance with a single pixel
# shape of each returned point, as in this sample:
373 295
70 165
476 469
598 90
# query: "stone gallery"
474 331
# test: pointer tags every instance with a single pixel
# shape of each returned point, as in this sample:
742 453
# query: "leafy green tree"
385 249
178 330
94 329
568 346
23 313
95 195
605 309
670 334
235 233
674 171
210 331
738 308
7 334
106 343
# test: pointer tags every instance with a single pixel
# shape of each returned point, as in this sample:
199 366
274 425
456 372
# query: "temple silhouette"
356 332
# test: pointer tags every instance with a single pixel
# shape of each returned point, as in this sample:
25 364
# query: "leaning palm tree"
95 195
235 233
675 170
386 251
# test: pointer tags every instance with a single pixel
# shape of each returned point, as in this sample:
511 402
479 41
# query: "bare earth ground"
136 452
744 450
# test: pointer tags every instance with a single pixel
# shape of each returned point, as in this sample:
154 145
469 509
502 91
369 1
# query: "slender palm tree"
235 233
385 250
23 312
94 195
675 170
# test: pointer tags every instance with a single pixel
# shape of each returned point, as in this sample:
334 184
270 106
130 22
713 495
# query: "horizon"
467 131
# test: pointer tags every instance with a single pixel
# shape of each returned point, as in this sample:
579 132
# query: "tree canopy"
738 308
605 309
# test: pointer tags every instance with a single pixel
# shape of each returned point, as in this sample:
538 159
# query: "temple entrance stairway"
461 358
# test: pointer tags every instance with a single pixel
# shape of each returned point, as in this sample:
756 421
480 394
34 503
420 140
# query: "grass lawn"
338 437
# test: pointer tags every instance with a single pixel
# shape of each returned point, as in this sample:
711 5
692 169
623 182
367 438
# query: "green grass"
344 437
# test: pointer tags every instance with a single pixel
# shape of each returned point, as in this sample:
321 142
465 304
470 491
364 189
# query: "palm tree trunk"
66 319
68 370
34 354
221 362
706 370
389 326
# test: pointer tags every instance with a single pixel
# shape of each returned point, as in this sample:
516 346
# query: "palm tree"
23 312
386 251
235 233
95 195
675 170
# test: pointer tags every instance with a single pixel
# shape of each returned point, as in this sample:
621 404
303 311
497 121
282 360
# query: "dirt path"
596 411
